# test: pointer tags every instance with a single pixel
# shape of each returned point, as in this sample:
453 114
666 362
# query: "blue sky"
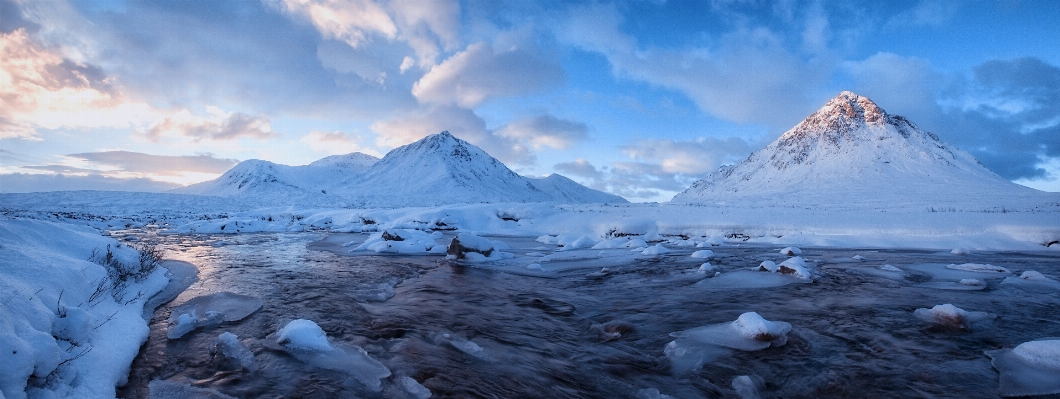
637 98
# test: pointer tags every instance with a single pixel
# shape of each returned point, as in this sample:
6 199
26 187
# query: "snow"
656 250
790 251
703 254
210 310
403 241
1033 281
795 266
706 267
303 334
947 315
749 332
1029 369
49 314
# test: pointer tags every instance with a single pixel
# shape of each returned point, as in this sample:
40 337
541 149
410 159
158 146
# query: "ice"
947 315
162 389
767 266
652 393
236 355
307 342
890 268
1033 281
977 267
210 310
703 254
706 267
745 387
656 250
581 242
750 332
414 388
470 348
748 279
710 242
620 242
1032 368
791 251
960 251
858 258
303 334
794 266
472 248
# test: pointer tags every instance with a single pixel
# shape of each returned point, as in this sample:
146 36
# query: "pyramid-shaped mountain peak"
846 113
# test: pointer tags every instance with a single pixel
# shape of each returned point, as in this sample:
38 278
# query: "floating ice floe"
791 251
656 250
210 310
978 267
414 388
749 332
703 254
472 248
1032 368
307 342
1033 281
402 241
235 355
947 315
467 347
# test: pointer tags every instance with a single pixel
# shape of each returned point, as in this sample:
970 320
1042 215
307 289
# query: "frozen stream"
569 331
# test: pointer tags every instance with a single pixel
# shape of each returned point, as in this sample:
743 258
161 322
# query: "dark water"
853 334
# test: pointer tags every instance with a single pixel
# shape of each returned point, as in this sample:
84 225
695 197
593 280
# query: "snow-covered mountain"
261 178
566 190
852 151
439 169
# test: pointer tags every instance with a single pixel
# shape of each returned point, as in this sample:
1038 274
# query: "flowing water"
572 332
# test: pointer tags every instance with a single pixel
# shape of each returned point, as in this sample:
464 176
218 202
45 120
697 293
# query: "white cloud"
546 131
27 182
479 73
579 168
901 85
218 125
351 21
695 158
157 164
333 143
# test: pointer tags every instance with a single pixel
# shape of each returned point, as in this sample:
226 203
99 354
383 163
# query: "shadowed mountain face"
439 169
851 150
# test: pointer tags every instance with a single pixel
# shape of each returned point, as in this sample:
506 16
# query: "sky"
635 98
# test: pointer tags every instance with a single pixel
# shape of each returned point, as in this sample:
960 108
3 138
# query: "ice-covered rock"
947 315
750 332
656 250
402 241
791 251
767 266
236 355
471 248
794 267
703 254
978 267
1032 368
210 310
414 388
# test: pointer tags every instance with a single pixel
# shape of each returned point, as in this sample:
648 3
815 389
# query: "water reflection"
465 331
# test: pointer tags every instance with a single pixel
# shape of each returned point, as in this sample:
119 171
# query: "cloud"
908 86
695 158
332 143
218 125
580 168
479 73
546 131
40 88
925 13
26 182
156 164
744 75
351 21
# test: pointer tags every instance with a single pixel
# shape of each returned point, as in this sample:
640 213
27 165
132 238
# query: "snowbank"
66 330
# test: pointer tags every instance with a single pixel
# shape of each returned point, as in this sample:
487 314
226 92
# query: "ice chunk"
706 267
162 389
858 258
401 241
414 388
688 355
890 268
748 279
960 251
581 242
947 315
547 239
620 242
469 348
534 266
745 387
210 310
1032 368
703 254
750 332
710 242
978 267
972 282
1033 281
652 393
303 334
236 355
656 250
306 341
636 243
791 251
